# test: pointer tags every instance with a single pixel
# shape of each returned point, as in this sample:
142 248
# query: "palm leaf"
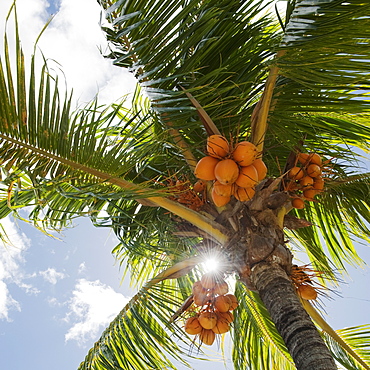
136 340
256 343
358 339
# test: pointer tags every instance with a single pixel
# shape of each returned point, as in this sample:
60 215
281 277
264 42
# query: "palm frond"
336 231
213 49
321 95
256 343
140 337
358 338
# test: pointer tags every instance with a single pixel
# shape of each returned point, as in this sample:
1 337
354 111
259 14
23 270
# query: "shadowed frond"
358 338
348 202
257 344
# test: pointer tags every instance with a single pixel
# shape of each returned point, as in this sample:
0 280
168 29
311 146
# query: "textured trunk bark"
301 337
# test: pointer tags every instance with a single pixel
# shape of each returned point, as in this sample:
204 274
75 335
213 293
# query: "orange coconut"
222 303
221 327
306 181
296 173
226 171
200 299
243 194
217 146
245 153
306 158
234 302
313 170
219 200
192 325
207 336
318 184
221 288
222 189
207 319
307 291
298 203
228 316
261 168
209 280
309 194
248 177
205 168
198 288
303 158
315 158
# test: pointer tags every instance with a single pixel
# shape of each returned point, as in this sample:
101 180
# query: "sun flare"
211 264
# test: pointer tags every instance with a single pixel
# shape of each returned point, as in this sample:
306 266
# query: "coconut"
219 200
298 203
306 181
217 146
205 168
261 168
222 189
318 183
228 316
244 194
315 158
233 301
226 171
207 319
248 177
222 303
313 170
310 194
221 327
307 291
303 158
207 336
198 288
192 325
296 173
221 288
245 153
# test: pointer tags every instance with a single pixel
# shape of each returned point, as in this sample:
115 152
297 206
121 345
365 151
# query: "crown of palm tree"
300 84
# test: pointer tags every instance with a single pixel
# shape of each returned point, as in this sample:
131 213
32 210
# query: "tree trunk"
301 337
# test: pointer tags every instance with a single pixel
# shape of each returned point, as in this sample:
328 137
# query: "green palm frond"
256 343
358 338
136 340
348 202
213 49
94 162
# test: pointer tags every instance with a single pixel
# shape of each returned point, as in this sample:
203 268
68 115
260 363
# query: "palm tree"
288 84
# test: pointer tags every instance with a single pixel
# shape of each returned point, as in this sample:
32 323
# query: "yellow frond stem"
315 315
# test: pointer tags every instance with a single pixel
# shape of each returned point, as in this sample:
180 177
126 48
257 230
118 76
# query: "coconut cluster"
305 180
303 282
234 171
215 306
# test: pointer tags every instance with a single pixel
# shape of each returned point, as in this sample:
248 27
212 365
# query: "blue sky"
57 296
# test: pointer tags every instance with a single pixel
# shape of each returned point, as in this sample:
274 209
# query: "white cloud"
11 259
92 307
52 276
6 302
74 43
